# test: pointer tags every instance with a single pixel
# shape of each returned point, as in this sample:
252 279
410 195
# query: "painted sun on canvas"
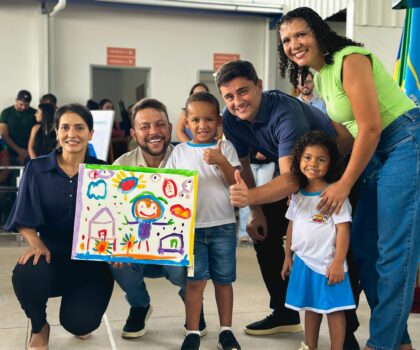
136 215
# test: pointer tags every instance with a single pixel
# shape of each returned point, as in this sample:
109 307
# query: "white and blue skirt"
309 290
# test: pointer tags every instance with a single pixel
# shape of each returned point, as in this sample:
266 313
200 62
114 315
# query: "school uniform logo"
319 218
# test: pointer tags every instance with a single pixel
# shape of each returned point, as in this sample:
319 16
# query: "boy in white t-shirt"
215 234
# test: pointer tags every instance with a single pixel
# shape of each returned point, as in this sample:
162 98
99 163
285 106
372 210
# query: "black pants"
270 255
85 287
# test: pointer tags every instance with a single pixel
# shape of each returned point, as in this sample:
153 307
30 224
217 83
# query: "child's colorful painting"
136 215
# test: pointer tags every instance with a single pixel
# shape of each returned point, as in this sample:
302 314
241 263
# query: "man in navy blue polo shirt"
270 122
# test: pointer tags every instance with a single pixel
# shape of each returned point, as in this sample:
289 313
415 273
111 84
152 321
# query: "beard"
307 92
144 146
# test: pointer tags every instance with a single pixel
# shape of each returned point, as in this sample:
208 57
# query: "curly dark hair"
316 138
328 41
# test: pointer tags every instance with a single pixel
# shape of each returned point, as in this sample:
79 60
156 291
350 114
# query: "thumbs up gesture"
239 191
214 155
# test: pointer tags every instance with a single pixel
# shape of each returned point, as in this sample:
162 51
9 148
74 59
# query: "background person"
263 171
92 105
6 197
49 98
306 92
46 269
15 127
43 138
106 105
384 122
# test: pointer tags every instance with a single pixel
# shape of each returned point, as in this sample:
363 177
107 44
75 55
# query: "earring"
326 53
289 66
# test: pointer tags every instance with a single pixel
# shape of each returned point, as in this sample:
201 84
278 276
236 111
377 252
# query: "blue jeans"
131 280
215 254
385 235
263 173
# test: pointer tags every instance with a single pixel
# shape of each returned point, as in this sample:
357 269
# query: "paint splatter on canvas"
137 215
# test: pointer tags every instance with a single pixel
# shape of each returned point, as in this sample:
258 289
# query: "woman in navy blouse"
46 204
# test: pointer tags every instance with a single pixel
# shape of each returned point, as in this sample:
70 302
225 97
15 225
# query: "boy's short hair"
235 69
148 103
203 97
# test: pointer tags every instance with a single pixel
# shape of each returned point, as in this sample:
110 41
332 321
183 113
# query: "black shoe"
202 327
227 341
191 342
350 342
135 326
272 324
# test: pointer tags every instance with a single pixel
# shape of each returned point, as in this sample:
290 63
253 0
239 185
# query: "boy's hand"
287 267
335 272
214 155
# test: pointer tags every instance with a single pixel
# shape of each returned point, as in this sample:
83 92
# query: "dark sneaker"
191 342
227 341
135 326
270 325
350 342
202 327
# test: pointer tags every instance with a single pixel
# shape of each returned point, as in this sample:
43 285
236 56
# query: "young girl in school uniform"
319 283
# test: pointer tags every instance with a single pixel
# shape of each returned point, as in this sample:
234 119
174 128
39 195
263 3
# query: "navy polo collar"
51 160
262 116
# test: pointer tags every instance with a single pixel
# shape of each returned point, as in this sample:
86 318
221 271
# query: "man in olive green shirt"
15 127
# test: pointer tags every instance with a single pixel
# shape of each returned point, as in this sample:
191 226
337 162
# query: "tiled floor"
165 324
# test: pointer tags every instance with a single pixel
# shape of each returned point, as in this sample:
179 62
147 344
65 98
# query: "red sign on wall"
120 56
219 59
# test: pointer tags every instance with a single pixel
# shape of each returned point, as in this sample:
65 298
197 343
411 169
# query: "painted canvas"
136 215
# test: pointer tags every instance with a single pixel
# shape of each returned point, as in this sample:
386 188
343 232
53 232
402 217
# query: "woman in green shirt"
385 124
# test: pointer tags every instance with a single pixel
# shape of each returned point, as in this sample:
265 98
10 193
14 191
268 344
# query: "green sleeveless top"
392 100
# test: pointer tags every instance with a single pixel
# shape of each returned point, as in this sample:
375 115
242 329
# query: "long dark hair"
47 123
78 109
316 138
329 42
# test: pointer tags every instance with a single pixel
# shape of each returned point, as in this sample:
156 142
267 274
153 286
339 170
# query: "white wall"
379 27
382 41
20 39
174 45
116 84
101 77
